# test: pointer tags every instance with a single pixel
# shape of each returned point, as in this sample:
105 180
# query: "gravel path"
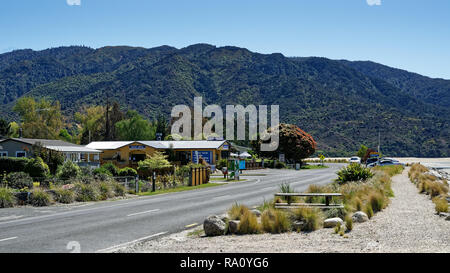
408 224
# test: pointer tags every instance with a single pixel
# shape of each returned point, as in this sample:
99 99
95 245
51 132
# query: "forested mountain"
342 104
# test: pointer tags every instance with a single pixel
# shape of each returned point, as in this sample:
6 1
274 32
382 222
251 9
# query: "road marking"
7 239
132 242
142 212
191 225
10 217
220 197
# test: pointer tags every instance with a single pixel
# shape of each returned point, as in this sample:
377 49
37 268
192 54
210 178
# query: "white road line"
131 242
7 239
221 197
142 212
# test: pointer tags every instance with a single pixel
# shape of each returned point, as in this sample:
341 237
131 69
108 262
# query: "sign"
206 155
281 157
137 147
242 164
225 147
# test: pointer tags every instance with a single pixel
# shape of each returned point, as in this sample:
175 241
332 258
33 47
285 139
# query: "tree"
135 127
294 143
14 129
91 123
40 119
4 128
157 161
362 151
162 126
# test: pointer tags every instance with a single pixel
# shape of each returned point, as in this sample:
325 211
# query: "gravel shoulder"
408 224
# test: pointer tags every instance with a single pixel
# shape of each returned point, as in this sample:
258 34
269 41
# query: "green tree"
362 151
91 123
14 129
135 127
40 119
158 160
4 128
162 126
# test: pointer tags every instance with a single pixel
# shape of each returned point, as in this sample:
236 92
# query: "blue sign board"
137 147
206 155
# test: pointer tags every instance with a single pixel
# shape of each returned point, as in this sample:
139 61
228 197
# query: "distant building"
22 147
129 153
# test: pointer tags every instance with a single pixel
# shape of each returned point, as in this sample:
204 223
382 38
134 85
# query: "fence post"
190 177
154 182
136 185
126 183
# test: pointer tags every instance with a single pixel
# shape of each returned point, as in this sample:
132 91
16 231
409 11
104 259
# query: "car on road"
355 159
385 162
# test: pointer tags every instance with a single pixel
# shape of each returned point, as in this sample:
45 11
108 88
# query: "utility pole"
379 142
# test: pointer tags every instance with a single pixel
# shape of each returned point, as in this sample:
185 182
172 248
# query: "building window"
21 154
3 153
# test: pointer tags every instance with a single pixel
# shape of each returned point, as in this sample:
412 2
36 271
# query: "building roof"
54 144
167 144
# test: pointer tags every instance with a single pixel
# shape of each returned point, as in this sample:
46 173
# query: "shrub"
86 192
101 172
111 168
275 221
441 204
119 189
248 223
221 163
376 200
7 198
68 170
19 180
369 210
65 196
236 211
280 165
286 188
12 164
312 218
127 172
353 172
40 198
36 167
105 190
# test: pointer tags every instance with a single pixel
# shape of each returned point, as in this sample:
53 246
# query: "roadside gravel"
408 224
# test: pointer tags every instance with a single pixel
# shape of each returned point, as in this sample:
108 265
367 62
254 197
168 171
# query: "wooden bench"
327 204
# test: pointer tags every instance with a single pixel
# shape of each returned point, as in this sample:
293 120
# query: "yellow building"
129 153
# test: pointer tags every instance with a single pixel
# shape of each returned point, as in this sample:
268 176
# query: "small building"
23 147
129 153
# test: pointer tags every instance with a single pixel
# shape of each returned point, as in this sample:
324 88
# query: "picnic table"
327 205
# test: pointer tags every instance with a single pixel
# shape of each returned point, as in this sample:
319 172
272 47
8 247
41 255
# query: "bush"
68 170
312 218
353 172
377 202
65 196
36 167
119 189
369 210
40 198
7 198
19 180
86 192
127 172
221 163
13 164
237 211
280 165
286 188
441 204
105 190
275 221
348 222
111 168
248 223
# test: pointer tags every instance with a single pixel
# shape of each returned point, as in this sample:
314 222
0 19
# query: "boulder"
214 226
224 217
444 214
332 222
360 217
447 218
256 212
233 226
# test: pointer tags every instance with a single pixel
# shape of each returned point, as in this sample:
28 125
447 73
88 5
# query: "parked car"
355 159
370 161
385 162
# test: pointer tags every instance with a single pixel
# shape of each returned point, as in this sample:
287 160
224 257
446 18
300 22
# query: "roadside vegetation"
366 190
428 184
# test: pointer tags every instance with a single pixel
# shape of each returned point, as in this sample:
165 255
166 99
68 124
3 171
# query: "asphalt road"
100 226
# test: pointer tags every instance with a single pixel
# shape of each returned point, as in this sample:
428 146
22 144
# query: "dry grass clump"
237 211
433 188
275 221
248 223
441 204
312 218
416 170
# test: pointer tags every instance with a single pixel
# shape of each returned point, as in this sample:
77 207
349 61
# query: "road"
100 226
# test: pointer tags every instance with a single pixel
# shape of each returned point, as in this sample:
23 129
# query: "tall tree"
162 125
4 128
91 123
40 119
135 127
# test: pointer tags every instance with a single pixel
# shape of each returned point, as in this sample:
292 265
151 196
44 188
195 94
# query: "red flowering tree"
294 143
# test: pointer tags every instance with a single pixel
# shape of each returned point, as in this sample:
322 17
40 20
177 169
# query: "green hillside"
341 104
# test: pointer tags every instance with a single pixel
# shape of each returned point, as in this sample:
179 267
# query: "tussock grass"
248 223
7 198
237 211
40 198
348 222
312 218
86 192
441 204
64 196
275 221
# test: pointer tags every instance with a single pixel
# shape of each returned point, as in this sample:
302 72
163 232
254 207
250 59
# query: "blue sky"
408 34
